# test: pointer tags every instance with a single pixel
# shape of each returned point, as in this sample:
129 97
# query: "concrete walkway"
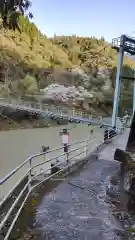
119 141
77 208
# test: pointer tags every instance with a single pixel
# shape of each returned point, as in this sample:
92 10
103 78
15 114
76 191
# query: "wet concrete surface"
120 141
77 207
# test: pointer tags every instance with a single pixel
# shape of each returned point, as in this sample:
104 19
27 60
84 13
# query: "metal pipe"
14 171
63 154
16 217
66 167
13 189
56 165
29 159
118 81
13 205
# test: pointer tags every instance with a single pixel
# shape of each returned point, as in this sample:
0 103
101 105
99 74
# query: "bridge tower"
122 44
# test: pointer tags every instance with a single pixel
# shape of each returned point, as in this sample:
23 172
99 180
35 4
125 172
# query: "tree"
28 85
11 10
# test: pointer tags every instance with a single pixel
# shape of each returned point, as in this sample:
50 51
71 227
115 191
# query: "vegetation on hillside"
27 57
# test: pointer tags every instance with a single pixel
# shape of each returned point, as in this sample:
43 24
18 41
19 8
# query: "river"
17 145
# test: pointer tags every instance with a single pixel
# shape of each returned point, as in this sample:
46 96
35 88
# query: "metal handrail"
28 160
57 157
33 156
35 166
13 205
30 178
13 189
36 155
69 165
16 217
4 179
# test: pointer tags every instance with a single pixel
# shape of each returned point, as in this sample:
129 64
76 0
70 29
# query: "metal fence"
58 112
34 171
38 107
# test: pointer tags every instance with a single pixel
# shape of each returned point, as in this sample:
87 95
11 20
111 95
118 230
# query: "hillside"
29 61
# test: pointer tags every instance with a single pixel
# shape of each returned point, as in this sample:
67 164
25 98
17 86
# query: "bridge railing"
35 170
49 107
56 112
59 111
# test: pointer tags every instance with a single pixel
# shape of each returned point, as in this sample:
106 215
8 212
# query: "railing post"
85 148
1 192
30 175
67 155
58 110
44 157
73 112
61 113
101 119
40 105
108 134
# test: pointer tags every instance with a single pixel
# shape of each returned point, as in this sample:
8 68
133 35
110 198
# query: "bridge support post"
118 81
134 95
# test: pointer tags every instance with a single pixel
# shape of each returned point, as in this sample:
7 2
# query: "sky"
99 18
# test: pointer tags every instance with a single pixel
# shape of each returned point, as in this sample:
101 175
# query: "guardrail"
47 107
56 112
38 167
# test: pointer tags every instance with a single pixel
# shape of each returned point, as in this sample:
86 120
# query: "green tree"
11 10
28 85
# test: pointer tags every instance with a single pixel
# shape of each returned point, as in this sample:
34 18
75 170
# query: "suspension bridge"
53 166
59 112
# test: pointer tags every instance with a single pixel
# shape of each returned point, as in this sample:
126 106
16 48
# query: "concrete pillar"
118 81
